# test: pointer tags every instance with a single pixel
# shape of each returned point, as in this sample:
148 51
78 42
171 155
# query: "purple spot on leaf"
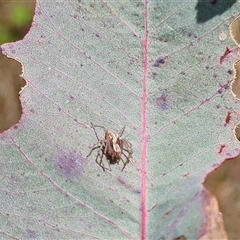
31 235
138 191
160 61
154 74
214 75
225 86
70 163
163 102
148 137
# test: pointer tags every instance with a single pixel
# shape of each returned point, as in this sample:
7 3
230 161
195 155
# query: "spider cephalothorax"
113 147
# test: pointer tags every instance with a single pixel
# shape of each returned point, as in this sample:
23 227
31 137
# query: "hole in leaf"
237 132
182 237
11 85
235 35
15 21
235 30
223 183
236 82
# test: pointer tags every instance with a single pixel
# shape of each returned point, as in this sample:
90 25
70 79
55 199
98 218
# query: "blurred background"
15 21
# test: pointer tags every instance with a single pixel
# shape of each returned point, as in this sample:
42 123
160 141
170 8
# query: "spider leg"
127 144
103 153
120 134
100 163
109 166
129 153
93 127
106 147
93 149
127 160
128 149
124 163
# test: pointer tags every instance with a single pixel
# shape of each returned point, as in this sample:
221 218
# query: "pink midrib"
144 126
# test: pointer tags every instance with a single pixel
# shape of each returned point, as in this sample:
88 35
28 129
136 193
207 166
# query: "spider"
113 147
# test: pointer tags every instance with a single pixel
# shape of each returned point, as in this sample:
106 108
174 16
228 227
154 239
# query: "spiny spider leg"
93 126
120 134
107 161
93 149
100 163
109 166
107 144
127 161
127 157
127 144
124 163
129 153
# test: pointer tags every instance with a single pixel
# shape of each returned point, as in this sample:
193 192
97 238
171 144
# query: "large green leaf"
154 66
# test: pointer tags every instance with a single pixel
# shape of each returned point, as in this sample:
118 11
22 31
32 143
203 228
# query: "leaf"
154 67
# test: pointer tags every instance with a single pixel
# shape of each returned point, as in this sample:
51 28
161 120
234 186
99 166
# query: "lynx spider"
113 147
